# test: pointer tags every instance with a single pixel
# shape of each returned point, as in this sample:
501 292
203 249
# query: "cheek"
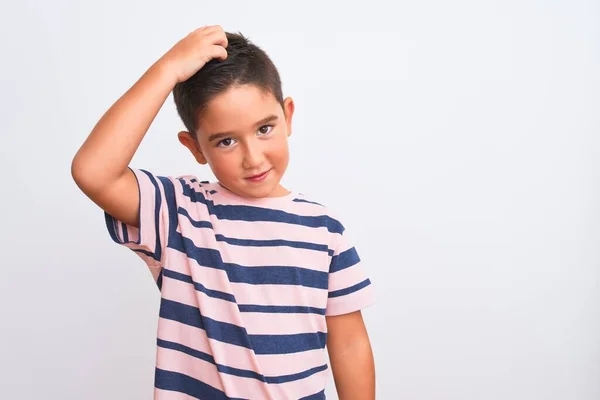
278 150
221 163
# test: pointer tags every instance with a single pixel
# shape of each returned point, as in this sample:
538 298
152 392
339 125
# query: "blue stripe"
281 309
197 224
273 242
111 221
344 260
189 315
253 214
198 286
110 226
237 371
159 280
157 205
316 396
285 344
274 275
351 289
173 237
242 307
233 334
306 201
175 381
254 242
146 252
125 234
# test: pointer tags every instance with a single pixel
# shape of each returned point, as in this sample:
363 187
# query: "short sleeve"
150 239
350 288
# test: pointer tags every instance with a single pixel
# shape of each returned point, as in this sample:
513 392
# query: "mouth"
258 177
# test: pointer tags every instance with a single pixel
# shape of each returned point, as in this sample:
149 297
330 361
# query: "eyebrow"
220 135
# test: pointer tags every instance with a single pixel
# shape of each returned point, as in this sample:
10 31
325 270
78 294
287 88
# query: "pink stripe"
160 394
256 256
347 277
239 357
270 231
217 309
211 278
132 232
216 279
232 385
342 246
176 361
351 302
254 322
292 207
279 295
301 388
273 255
283 324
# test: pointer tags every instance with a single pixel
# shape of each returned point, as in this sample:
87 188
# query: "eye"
266 131
228 142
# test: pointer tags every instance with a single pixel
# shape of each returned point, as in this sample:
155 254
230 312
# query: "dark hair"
246 63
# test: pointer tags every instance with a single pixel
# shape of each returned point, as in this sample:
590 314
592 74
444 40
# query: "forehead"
236 109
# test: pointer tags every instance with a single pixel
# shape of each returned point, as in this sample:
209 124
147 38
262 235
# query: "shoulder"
308 204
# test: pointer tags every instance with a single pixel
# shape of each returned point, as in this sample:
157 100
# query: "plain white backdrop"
459 141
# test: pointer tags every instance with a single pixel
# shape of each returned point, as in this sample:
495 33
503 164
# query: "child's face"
243 133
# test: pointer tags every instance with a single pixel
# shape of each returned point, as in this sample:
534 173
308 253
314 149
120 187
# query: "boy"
255 280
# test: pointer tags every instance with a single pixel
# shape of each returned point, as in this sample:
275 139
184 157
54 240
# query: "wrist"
165 72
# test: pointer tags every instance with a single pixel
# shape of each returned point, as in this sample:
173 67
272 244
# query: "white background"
458 140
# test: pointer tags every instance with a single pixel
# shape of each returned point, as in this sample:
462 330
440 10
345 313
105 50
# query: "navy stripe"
159 280
281 309
173 236
242 307
316 396
344 260
189 315
197 224
125 235
198 286
146 252
110 226
157 205
175 381
273 242
306 201
275 275
238 371
254 242
285 344
351 289
111 223
233 334
253 214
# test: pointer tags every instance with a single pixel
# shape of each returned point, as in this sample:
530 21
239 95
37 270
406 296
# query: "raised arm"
100 167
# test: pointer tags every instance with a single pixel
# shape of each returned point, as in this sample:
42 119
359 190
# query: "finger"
219 38
219 52
215 28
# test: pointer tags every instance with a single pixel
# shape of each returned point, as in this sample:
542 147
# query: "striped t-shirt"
245 287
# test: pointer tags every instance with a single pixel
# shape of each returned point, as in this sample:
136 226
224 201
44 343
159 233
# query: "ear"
288 110
189 141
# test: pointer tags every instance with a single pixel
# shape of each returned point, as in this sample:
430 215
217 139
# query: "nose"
253 156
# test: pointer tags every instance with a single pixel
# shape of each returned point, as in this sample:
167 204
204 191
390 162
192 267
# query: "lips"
258 177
